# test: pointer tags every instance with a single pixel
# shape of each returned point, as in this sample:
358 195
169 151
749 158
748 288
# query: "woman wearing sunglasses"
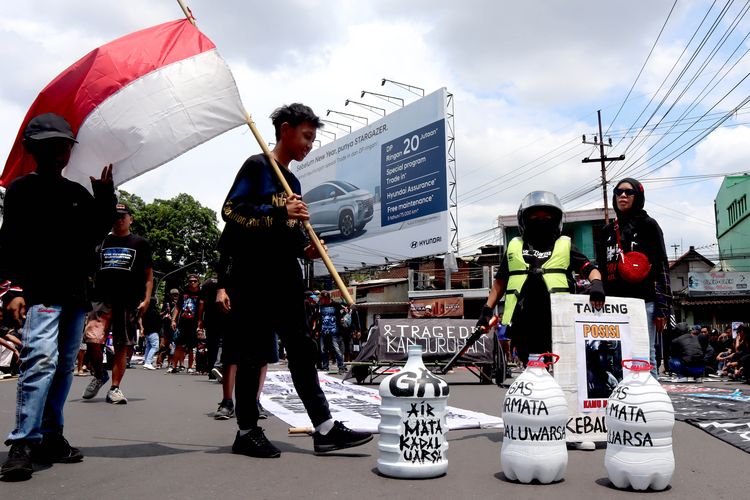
633 259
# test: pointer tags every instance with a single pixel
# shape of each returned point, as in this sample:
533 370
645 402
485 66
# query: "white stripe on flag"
156 118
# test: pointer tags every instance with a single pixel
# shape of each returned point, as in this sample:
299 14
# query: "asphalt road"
165 444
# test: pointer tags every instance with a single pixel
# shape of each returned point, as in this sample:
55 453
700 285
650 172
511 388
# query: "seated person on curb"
687 355
737 362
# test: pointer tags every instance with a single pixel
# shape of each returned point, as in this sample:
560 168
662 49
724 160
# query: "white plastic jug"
535 413
412 426
639 419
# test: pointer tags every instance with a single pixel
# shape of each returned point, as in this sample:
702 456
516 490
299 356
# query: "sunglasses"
626 192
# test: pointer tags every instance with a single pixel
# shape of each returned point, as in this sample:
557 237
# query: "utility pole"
675 246
602 158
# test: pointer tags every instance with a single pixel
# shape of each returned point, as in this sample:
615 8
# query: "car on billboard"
339 206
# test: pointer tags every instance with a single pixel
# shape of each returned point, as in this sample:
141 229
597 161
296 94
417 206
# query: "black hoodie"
640 233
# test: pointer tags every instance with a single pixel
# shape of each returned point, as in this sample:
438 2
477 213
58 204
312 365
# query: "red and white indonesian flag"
138 102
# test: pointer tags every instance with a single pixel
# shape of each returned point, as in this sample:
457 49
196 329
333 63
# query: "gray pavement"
165 444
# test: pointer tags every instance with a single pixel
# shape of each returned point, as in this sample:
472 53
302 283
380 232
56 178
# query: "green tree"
180 230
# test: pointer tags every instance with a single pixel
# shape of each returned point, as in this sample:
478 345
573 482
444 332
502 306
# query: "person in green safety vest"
539 262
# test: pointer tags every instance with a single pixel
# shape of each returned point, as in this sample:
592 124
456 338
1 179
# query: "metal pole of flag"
308 227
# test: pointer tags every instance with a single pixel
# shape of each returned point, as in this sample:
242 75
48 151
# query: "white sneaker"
585 445
116 397
191 370
149 367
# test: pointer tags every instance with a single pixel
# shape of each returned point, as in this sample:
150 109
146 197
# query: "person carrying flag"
261 286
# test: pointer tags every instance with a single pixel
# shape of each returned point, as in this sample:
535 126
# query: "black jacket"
50 230
688 349
259 240
640 233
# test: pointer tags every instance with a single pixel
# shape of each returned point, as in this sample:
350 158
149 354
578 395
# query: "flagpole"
308 227
186 11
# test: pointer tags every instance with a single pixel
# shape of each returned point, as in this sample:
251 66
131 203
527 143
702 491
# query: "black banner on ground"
723 413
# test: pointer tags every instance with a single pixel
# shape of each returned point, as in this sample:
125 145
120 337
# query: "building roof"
690 255
362 285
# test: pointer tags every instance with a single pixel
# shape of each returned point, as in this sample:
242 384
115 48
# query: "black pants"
254 319
214 334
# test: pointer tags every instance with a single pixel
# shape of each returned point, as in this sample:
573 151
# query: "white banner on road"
354 404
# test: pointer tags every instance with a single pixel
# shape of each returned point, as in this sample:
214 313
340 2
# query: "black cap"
48 126
122 208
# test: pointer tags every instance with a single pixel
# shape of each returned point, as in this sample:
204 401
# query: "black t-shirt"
330 318
212 315
187 317
532 320
151 319
50 229
123 261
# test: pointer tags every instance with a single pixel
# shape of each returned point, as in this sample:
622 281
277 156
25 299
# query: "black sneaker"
17 466
55 449
339 438
262 413
225 411
255 444
216 373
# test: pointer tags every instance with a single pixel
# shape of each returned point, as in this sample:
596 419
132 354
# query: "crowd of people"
235 323
50 297
700 351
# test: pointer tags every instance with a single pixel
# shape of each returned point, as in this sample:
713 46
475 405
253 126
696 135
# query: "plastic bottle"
412 421
535 413
639 419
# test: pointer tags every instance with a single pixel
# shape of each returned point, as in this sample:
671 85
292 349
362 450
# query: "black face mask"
541 232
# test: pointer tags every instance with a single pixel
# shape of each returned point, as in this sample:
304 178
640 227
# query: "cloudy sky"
527 78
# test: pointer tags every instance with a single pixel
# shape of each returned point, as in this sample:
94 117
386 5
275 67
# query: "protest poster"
591 345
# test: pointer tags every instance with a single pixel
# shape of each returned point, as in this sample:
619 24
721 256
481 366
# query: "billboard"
721 283
382 191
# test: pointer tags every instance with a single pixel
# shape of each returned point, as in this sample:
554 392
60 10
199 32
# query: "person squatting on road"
50 230
633 231
261 285
536 264
122 293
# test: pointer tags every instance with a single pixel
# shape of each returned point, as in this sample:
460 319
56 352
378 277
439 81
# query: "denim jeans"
152 345
51 338
679 368
650 308
326 341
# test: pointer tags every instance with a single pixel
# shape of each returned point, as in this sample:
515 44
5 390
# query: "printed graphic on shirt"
189 307
328 319
118 258
277 200
536 253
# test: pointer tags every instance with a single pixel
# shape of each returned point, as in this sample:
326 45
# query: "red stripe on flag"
101 73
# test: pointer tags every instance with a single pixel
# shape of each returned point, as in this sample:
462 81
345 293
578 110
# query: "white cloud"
527 78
